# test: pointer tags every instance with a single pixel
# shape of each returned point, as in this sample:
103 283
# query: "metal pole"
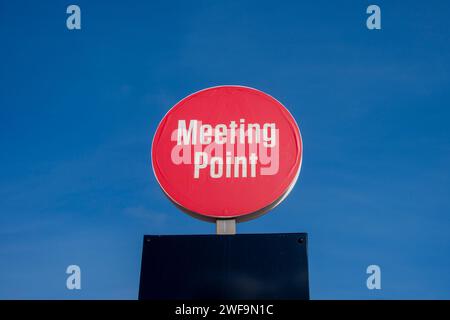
226 226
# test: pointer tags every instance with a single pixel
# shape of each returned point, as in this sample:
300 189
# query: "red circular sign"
227 152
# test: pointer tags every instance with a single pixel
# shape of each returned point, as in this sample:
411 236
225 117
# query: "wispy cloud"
155 218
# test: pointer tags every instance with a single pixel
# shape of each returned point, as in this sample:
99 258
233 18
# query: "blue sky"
78 110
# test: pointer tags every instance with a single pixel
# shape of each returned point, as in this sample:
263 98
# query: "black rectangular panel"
242 266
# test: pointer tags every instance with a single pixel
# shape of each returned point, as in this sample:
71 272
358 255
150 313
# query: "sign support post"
225 226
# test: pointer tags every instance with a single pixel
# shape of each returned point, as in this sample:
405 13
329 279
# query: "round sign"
227 152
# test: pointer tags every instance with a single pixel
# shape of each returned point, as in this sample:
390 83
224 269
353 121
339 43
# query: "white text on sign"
234 150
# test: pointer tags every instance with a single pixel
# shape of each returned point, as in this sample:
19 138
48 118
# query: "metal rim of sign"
240 218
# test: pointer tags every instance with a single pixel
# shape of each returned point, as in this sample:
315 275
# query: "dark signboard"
242 266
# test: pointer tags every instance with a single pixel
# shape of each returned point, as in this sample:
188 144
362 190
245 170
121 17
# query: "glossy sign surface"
227 152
